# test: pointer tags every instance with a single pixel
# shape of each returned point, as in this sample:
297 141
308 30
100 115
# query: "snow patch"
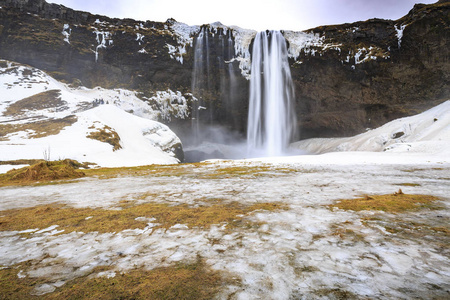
216 26
364 55
170 104
177 52
139 38
399 34
51 228
66 32
299 41
102 37
184 36
21 274
242 40
101 23
107 274
313 43
184 33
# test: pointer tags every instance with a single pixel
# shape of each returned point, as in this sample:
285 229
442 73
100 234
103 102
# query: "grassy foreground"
187 280
129 216
182 281
396 202
51 172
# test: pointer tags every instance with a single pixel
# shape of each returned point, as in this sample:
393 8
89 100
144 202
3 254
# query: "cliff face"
378 70
94 49
347 77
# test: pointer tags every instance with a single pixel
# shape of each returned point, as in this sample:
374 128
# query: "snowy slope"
427 133
142 140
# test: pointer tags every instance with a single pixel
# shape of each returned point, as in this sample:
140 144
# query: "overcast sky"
251 14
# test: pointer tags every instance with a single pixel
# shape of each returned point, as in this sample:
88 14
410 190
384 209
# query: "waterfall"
213 82
271 117
200 74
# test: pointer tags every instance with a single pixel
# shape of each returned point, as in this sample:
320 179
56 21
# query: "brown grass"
197 170
153 170
42 171
47 99
336 293
245 171
409 184
40 128
104 220
182 281
347 233
397 202
202 170
106 135
20 162
106 173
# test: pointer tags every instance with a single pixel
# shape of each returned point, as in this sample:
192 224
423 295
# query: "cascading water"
201 55
213 82
271 118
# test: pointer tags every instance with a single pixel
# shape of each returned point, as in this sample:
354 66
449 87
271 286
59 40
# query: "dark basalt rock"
32 30
334 95
333 99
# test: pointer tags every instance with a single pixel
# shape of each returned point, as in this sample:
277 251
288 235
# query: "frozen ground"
305 252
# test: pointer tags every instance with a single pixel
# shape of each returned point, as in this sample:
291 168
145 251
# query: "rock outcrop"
367 73
347 77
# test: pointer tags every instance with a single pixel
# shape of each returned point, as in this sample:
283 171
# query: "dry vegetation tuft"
104 220
44 170
20 162
182 281
106 135
397 202
409 184
246 171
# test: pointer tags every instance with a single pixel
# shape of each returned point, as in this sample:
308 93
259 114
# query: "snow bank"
143 141
426 133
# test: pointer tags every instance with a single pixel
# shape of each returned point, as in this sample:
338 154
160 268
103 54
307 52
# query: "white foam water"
271 118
